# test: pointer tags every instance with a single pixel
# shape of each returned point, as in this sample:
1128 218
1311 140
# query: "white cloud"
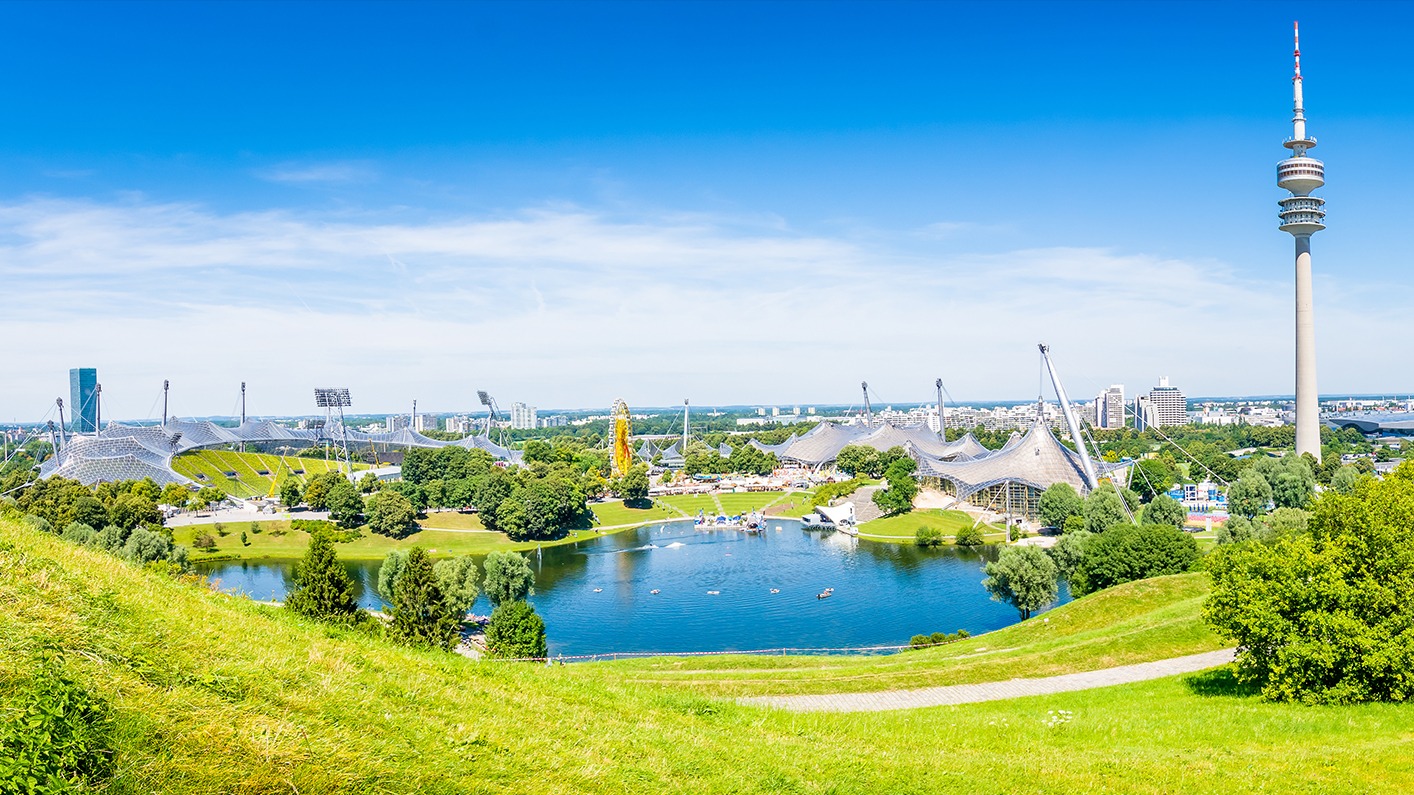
337 173
566 306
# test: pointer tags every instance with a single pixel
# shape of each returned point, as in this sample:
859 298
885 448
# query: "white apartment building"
522 416
1163 407
396 422
1109 407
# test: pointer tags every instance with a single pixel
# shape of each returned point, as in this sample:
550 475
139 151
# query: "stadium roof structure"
822 444
1400 424
1037 460
133 452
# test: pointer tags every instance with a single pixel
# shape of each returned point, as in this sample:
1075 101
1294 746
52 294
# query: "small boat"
655 592
598 590
824 595
713 593
775 590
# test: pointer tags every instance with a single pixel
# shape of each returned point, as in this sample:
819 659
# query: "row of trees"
126 531
863 460
744 459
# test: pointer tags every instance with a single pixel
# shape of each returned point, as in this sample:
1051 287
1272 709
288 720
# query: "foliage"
969 536
1164 509
388 573
1154 476
1074 524
830 491
457 578
145 546
421 616
55 736
79 533
204 542
1325 616
345 504
317 488
1103 509
1133 552
857 459
1024 577
928 537
290 493
1291 479
1069 552
516 632
1344 479
633 486
422 465
390 514
1250 495
1058 503
938 639
509 577
898 497
322 588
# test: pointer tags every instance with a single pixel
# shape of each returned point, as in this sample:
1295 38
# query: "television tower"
1302 215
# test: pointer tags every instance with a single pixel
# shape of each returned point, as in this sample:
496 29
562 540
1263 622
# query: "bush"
204 542
1323 616
928 537
79 533
1074 524
516 631
39 523
221 530
970 536
144 546
830 491
1133 552
55 737
938 638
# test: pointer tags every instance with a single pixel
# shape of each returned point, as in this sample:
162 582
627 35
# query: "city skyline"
912 207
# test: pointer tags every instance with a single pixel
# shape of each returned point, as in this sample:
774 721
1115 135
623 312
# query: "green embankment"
904 527
216 694
209 468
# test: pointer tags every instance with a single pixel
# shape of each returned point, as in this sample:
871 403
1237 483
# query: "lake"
596 595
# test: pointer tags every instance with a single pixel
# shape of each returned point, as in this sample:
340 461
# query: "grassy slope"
904 527
217 694
1141 621
247 483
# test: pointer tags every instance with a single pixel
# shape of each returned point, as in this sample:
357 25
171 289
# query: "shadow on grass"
1219 682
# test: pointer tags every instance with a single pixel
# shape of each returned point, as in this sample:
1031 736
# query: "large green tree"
1059 502
1250 495
1164 509
322 589
421 615
1104 509
516 632
898 497
345 504
1325 616
1127 552
390 514
509 577
1024 577
633 486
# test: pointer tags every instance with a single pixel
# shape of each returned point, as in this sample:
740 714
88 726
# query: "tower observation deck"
1302 215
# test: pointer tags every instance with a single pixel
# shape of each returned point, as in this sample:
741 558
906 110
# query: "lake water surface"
883 593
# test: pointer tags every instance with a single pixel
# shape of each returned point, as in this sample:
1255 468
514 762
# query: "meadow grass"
217 694
904 527
247 482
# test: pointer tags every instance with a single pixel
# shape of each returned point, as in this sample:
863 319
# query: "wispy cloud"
334 173
569 305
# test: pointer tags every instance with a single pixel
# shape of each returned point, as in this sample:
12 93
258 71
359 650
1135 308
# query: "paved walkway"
994 691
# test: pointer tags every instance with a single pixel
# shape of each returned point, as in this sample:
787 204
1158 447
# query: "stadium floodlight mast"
490 404
329 399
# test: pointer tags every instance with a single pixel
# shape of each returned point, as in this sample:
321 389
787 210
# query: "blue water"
883 593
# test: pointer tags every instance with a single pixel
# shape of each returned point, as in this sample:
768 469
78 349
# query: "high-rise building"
522 416
83 399
1303 215
1164 406
423 422
1109 407
396 422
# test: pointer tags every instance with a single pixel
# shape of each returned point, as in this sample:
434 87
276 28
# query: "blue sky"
737 203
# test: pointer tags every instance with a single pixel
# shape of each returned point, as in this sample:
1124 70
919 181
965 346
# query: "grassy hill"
216 694
209 468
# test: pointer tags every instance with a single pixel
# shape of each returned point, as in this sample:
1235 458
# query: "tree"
1343 481
388 573
173 494
1074 524
390 514
290 493
489 491
1058 503
345 504
969 536
457 577
1069 552
317 487
633 486
322 588
132 510
1323 616
857 459
368 483
1103 509
1153 477
79 533
509 577
1164 509
512 518
1250 495
516 632
85 510
144 546
1024 577
1133 552
898 497
1292 481
421 616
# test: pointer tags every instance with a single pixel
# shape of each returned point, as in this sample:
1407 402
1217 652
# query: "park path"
993 691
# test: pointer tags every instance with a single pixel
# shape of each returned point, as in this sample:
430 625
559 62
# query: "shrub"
1323 616
928 537
255 528
79 533
244 541
55 737
144 546
830 491
516 631
1074 524
1133 552
970 536
204 542
39 523
221 530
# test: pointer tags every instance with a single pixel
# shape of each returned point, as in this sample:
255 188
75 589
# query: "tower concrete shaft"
1302 215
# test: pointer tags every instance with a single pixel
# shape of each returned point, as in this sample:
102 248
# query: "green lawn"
212 693
213 464
613 513
690 504
903 528
744 502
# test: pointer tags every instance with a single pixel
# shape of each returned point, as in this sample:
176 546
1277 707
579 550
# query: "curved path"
993 691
